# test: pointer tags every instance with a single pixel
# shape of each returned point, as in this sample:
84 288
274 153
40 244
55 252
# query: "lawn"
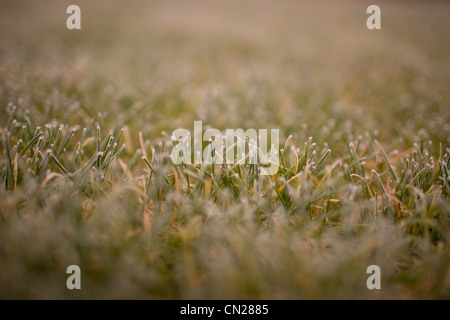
86 177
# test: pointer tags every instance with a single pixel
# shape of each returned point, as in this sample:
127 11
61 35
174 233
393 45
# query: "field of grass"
85 171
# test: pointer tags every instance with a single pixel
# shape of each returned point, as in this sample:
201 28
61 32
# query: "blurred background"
310 68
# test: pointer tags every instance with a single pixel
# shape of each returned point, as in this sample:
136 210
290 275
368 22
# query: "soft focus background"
379 99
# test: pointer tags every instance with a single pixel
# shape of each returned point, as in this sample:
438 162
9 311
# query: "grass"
86 176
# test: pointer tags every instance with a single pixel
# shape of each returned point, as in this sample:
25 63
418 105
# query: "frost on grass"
87 178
